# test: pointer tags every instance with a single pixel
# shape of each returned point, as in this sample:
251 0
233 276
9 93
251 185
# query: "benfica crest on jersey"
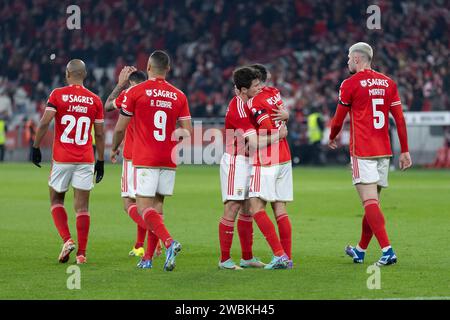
65 97
148 92
363 83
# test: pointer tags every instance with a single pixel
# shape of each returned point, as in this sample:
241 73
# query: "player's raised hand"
113 155
280 113
124 74
332 144
99 170
405 161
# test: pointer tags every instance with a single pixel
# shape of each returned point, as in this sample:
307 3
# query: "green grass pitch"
326 215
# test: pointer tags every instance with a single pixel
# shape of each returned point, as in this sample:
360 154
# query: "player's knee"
231 209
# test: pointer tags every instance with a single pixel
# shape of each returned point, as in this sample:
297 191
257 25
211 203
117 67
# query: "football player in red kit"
75 110
156 107
369 97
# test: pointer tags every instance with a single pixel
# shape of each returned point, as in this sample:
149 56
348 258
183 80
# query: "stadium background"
304 43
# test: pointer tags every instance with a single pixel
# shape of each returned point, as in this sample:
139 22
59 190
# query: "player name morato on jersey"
370 95
156 106
261 110
77 109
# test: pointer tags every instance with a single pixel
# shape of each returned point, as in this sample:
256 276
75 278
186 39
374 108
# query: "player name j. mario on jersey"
80 99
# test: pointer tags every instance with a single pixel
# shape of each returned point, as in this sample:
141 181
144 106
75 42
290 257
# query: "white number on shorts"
378 116
81 132
160 123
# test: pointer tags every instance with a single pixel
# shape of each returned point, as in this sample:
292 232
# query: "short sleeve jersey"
156 106
237 127
128 141
77 109
370 95
261 108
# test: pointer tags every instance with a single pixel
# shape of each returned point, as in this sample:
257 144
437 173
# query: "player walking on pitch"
130 76
75 109
235 169
156 107
369 96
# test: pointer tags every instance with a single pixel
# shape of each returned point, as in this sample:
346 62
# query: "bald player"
75 110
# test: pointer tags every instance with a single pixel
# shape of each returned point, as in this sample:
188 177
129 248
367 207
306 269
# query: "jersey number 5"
81 131
378 116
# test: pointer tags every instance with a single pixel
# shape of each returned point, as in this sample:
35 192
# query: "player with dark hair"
369 96
129 76
156 107
75 109
271 177
235 169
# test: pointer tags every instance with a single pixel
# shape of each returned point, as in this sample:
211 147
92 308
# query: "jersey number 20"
81 131
378 116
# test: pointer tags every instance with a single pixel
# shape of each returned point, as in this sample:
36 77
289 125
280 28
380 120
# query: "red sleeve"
52 101
345 93
119 100
99 117
244 123
259 113
397 113
338 120
185 114
128 103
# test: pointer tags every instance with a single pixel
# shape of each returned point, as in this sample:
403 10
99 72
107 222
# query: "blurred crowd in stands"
303 42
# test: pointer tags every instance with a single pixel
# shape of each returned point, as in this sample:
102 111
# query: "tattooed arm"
121 85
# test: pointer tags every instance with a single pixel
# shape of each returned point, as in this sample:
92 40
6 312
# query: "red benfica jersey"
76 109
237 127
128 141
369 95
261 108
156 106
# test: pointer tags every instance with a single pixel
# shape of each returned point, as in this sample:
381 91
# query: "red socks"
154 222
366 234
83 222
152 242
140 237
59 215
268 230
134 215
245 230
285 231
141 226
375 220
226 231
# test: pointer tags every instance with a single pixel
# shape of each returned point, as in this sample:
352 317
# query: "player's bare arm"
122 84
119 134
41 131
185 130
262 141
